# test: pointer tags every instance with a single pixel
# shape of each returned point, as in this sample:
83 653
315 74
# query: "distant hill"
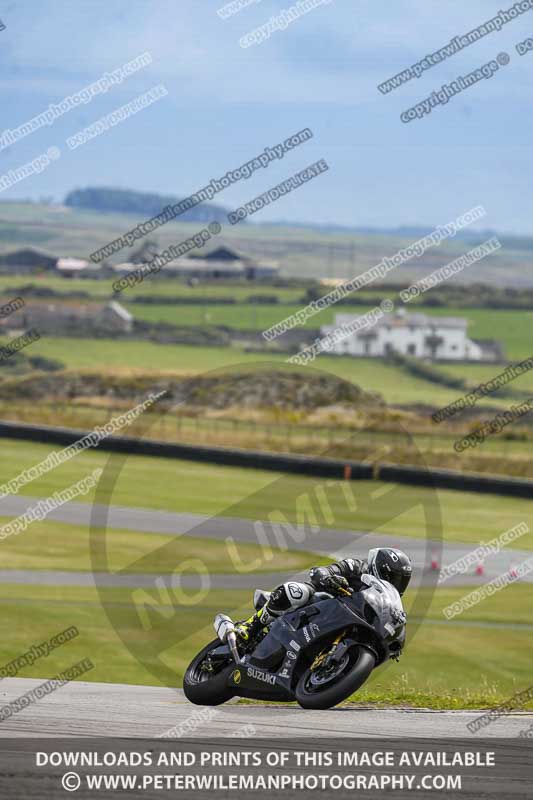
406 233
142 204
301 252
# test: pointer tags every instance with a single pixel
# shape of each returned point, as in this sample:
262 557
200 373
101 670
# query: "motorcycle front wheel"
326 688
205 688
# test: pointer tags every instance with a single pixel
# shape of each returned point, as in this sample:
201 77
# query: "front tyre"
325 689
207 688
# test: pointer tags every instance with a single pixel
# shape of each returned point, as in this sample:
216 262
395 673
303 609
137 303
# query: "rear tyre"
324 690
204 688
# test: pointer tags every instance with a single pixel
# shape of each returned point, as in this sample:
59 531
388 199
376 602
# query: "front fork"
325 657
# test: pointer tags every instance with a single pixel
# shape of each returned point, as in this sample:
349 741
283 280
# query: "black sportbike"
318 655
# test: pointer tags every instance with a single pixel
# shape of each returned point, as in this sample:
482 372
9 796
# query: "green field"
187 486
512 328
395 385
481 373
248 316
59 546
483 665
391 381
99 289
470 661
444 665
509 327
480 658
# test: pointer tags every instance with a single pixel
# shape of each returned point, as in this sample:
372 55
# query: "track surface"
102 709
91 709
328 541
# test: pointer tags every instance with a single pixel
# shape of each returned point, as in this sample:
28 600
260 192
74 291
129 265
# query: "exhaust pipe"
225 630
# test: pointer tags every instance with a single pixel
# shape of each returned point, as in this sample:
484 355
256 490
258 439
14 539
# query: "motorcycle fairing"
291 638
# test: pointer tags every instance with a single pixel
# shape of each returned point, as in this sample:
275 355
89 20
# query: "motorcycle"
318 655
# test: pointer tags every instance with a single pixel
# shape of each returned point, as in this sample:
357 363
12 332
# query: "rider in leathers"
385 563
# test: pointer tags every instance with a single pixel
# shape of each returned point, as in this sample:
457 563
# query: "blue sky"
225 104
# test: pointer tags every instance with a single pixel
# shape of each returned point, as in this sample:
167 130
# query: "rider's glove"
327 581
398 616
335 582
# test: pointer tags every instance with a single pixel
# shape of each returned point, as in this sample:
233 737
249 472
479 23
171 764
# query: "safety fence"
276 434
336 468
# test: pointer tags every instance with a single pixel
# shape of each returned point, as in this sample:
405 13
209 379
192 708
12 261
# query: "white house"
416 335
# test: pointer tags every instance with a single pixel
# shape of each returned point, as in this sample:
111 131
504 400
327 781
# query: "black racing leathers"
349 568
292 595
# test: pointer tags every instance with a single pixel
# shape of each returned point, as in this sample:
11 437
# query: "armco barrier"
303 465
460 481
253 459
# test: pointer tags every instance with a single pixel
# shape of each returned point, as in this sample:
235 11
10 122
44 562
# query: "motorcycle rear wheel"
320 693
201 688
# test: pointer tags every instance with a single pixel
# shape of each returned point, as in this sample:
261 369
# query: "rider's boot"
249 628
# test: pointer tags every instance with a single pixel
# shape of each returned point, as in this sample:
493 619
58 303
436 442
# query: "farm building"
26 260
416 335
77 268
219 264
76 318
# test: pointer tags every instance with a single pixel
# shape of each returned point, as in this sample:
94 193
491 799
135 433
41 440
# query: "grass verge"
187 486
54 546
446 666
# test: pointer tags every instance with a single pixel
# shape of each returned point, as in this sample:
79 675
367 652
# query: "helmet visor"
401 580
